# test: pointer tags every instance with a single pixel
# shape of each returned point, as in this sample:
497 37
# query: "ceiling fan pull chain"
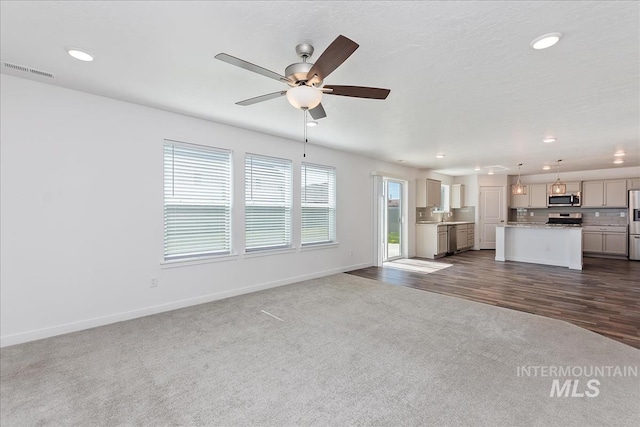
304 150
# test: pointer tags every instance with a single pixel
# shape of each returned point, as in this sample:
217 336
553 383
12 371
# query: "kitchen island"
557 245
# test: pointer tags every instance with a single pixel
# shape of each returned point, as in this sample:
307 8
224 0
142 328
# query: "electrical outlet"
154 282
623 214
351 253
597 214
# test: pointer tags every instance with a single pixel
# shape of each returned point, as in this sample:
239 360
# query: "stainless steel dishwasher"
452 243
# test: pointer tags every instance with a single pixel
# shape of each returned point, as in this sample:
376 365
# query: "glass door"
393 219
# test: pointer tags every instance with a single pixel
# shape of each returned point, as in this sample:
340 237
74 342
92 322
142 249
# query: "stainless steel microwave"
564 200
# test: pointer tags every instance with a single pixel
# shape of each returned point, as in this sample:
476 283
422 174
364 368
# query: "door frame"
401 219
378 216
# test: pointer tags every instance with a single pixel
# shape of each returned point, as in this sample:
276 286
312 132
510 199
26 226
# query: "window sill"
267 252
197 261
314 247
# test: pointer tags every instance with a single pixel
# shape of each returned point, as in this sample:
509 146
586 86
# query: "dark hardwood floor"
604 297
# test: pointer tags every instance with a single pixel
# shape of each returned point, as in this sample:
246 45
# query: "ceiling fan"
306 78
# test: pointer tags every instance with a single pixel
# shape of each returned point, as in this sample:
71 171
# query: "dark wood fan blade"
251 67
358 91
337 52
318 112
261 98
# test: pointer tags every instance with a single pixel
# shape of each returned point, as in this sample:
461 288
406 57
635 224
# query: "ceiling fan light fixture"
304 97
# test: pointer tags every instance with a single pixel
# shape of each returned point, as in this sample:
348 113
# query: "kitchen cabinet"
461 236
606 240
457 196
428 193
573 187
633 183
434 193
431 240
536 197
465 236
471 238
443 240
610 193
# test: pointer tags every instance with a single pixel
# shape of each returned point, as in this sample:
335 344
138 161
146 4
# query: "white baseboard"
36 334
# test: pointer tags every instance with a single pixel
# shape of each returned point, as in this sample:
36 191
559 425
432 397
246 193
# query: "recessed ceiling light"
490 172
549 140
440 156
477 168
620 154
618 161
546 40
78 54
546 167
312 123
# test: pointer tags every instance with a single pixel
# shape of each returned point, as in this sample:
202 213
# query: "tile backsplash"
467 213
608 216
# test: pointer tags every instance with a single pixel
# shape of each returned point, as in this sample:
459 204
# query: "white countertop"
444 223
539 225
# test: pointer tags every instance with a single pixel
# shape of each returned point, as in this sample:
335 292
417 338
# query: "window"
197 201
267 202
444 199
318 204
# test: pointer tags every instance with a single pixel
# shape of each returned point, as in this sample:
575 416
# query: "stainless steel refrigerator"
634 224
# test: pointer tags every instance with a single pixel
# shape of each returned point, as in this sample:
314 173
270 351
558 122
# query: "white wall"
82 202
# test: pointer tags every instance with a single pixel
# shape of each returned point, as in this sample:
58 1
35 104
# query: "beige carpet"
342 351
416 265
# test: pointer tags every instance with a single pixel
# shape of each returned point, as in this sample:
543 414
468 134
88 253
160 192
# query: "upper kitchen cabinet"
428 193
572 187
536 197
457 196
610 193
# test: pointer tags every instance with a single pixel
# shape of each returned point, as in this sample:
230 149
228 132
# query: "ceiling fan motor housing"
297 73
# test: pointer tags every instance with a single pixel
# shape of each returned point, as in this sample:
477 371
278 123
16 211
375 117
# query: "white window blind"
318 204
197 201
267 202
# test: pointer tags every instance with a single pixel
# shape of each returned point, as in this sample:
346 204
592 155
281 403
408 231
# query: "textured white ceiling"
463 78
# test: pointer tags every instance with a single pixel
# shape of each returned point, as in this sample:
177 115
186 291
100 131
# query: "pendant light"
558 187
519 189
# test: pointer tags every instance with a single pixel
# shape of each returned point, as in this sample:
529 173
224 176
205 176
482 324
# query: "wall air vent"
22 68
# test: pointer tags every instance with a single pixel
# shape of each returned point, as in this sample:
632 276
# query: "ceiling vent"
496 168
29 70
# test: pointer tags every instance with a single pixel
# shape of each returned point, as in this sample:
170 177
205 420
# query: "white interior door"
492 209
